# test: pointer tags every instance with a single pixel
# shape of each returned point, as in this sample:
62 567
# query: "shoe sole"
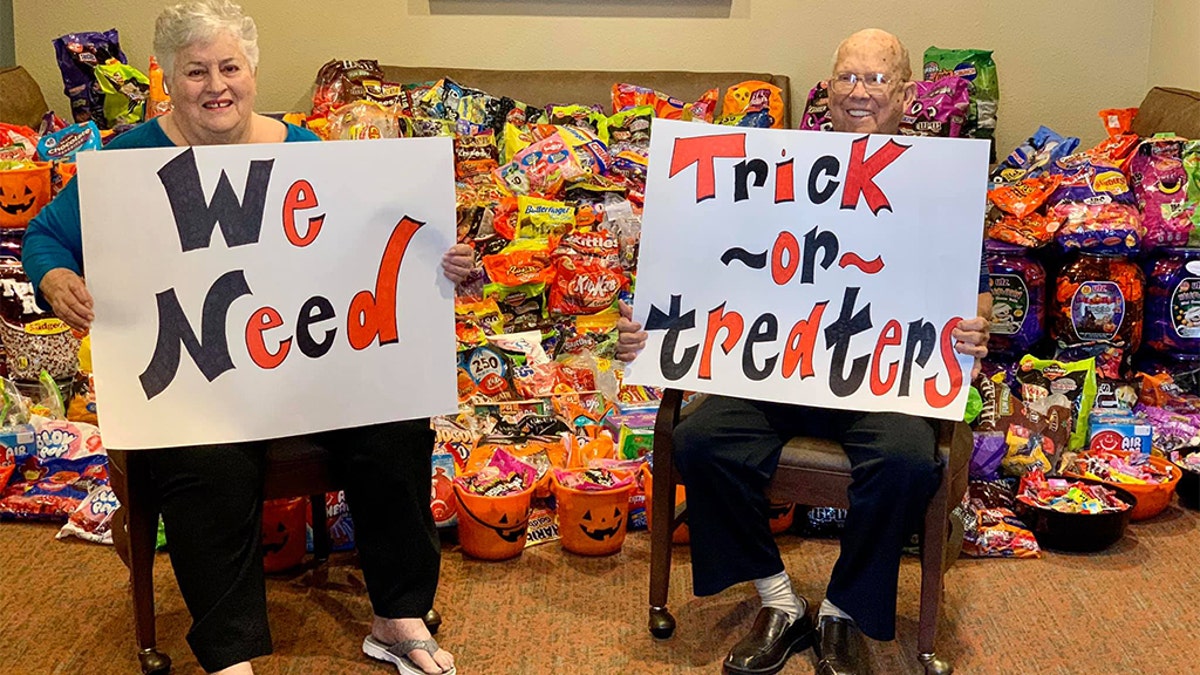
800 644
378 651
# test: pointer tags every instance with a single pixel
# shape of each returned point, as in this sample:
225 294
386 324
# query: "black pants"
211 499
728 450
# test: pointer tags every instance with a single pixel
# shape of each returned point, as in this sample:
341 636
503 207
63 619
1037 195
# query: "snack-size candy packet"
341 82
78 55
1159 181
816 109
939 109
125 91
630 127
584 117
760 101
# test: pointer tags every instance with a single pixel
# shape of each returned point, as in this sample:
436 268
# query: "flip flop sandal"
397 654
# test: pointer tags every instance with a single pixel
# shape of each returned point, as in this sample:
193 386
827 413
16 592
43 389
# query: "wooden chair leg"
142 523
662 624
933 553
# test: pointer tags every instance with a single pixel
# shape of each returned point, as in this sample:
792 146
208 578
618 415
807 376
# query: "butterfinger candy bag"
1160 183
754 97
816 109
341 82
542 219
939 109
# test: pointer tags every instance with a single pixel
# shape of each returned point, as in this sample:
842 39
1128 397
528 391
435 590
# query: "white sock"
830 609
776 591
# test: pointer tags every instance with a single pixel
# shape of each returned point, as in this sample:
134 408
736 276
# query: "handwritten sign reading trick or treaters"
258 291
823 269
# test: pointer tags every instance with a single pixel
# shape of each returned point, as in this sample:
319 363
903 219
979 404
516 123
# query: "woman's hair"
201 21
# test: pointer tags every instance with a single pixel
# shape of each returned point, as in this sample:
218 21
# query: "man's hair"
905 63
188 23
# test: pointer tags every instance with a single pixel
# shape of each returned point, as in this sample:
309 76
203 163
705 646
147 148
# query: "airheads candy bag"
1159 181
977 67
816 109
940 109
755 98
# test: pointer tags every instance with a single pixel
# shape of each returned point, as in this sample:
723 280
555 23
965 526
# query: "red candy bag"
1025 197
584 285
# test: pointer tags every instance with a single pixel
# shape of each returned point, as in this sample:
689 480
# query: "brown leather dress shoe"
774 638
842 648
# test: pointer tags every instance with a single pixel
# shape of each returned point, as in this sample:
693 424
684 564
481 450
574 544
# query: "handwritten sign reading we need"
258 291
813 268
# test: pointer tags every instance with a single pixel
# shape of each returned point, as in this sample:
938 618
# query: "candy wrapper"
523 262
753 104
990 448
816 109
1066 496
626 96
939 109
1023 198
585 285
341 82
491 481
979 69
1100 228
50 484
125 91
1088 180
92 520
1069 385
991 529
78 55
1159 181
592 480
1118 466
1191 165
362 121
1032 157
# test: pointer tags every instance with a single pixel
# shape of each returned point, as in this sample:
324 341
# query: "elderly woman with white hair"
211 496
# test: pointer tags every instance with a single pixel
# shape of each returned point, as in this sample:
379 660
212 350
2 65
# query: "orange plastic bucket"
493 528
593 522
1152 498
681 534
782 516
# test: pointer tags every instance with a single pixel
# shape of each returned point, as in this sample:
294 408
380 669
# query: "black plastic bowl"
1188 488
1078 532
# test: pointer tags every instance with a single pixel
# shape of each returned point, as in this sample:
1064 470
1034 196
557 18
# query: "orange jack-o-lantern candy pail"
23 193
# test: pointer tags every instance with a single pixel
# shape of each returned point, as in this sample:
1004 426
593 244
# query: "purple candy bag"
1088 180
816 110
940 108
78 55
990 447
1159 182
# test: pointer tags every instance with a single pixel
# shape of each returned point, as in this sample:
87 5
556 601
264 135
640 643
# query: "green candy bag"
977 67
125 91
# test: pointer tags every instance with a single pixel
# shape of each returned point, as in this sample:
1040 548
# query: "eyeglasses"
874 83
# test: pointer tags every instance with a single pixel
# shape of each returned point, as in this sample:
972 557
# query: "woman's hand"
631 338
69 297
971 338
458 262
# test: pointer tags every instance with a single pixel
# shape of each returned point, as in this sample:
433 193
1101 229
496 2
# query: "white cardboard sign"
823 269
249 292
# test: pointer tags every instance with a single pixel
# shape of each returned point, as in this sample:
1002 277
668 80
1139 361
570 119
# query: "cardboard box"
1120 432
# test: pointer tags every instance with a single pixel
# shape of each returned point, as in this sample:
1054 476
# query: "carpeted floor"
64 609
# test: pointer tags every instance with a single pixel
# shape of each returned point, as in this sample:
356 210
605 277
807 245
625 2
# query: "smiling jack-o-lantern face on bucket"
601 524
23 192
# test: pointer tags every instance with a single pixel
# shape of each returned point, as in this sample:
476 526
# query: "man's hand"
971 338
458 262
631 338
69 297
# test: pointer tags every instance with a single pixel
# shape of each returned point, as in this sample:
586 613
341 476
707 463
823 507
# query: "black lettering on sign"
921 334
211 352
314 310
195 219
837 337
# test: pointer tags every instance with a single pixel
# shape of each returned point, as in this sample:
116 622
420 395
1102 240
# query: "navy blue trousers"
728 450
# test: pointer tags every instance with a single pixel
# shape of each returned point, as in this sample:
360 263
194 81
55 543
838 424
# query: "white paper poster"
816 268
258 291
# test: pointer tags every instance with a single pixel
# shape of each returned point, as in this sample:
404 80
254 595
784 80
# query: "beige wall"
1059 62
1175 44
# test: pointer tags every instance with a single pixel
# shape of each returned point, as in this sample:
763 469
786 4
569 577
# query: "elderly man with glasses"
729 448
